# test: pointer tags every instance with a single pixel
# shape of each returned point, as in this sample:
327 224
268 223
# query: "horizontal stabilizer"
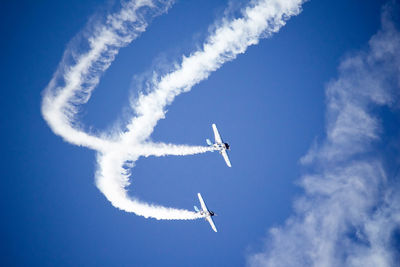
208 141
196 208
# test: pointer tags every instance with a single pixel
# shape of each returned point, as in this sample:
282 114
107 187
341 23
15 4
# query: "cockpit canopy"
227 146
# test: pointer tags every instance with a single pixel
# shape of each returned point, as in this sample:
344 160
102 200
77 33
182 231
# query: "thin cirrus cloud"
75 80
349 214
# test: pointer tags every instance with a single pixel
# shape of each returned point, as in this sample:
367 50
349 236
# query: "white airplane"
219 145
207 214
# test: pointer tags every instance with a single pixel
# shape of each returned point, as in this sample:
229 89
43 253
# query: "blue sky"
294 155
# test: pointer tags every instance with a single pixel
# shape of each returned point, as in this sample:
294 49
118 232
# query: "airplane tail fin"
208 141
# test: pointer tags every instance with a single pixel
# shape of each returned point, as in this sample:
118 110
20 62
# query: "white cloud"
350 208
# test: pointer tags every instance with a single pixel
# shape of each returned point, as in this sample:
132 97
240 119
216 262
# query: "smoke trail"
118 153
161 149
260 19
72 84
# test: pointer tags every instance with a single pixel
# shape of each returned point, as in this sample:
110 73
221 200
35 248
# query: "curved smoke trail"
117 154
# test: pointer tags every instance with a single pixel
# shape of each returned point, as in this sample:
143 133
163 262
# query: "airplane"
207 214
220 145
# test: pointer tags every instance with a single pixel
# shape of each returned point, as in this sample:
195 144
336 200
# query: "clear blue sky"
269 104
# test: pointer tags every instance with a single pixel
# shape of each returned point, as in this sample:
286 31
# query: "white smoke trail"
114 189
117 154
260 19
61 99
161 149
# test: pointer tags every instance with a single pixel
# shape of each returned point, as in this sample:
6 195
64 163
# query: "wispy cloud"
350 210
118 152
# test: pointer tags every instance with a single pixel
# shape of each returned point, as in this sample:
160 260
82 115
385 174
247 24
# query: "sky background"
269 104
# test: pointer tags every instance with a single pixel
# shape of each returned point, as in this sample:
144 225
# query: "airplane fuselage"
221 146
206 213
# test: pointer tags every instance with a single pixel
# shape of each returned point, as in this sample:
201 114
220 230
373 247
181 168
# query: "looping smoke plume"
73 84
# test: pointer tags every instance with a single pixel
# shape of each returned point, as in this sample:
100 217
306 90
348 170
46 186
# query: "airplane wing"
216 134
211 223
203 205
226 158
